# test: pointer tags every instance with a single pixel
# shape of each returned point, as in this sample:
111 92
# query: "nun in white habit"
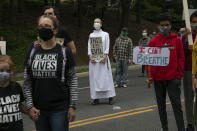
100 74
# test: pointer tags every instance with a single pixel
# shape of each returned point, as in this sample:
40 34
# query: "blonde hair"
54 20
8 59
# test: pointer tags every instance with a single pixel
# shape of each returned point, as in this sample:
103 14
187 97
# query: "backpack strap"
63 64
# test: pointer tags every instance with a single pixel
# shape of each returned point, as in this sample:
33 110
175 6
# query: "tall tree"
11 12
20 5
125 7
79 12
194 3
57 3
138 13
46 2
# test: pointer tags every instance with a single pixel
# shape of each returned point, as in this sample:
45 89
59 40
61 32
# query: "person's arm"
89 52
106 48
27 91
114 49
23 108
149 68
72 85
185 46
27 88
180 58
68 41
107 44
130 50
71 45
194 65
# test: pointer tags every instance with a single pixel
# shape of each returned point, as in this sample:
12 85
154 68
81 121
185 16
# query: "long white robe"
100 75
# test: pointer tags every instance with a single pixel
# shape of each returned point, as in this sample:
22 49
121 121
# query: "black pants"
173 89
143 68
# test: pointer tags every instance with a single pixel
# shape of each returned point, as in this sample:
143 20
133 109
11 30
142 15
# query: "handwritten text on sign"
151 56
96 48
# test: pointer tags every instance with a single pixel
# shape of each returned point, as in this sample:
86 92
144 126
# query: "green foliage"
18 40
150 9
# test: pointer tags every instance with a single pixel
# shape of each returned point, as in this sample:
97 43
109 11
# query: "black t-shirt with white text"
10 115
46 70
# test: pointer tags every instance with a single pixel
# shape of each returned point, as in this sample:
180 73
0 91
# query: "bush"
18 40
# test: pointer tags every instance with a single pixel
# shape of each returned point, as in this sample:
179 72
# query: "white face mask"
97 26
4 76
144 34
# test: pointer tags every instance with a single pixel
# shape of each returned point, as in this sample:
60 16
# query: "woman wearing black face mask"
50 85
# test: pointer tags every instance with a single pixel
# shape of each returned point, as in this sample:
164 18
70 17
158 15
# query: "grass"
21 78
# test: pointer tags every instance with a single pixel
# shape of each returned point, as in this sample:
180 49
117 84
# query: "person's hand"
71 114
103 60
34 113
149 82
91 60
194 83
190 47
187 31
36 43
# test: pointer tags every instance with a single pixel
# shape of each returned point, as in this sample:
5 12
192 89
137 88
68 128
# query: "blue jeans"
122 71
52 121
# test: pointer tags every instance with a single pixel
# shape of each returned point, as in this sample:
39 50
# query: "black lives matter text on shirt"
46 69
10 99
45 65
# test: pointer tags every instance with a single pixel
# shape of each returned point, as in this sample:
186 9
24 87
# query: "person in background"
62 36
11 96
168 78
144 42
122 52
187 79
100 74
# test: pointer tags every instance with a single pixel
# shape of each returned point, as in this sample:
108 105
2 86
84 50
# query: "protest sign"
187 20
151 56
190 12
3 47
96 48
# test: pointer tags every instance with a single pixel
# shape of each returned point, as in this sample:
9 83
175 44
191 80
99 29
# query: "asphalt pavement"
134 109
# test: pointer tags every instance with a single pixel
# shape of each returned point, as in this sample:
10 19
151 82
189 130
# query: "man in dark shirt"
62 37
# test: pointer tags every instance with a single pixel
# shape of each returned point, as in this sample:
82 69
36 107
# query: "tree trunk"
57 3
138 16
79 12
125 6
46 2
11 12
118 12
194 3
20 6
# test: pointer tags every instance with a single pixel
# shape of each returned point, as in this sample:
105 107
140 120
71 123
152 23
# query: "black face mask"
45 33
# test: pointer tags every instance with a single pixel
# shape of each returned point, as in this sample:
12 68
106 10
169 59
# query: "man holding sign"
168 78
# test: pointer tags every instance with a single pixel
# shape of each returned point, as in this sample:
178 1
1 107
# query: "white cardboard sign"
3 47
97 48
151 56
